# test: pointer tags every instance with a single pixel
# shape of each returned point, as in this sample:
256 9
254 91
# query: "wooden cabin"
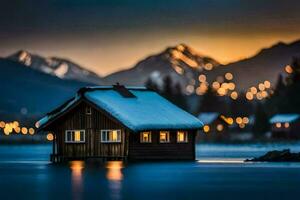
285 126
118 122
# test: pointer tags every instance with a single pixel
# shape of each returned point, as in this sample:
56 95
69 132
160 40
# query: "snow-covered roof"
208 117
146 111
284 118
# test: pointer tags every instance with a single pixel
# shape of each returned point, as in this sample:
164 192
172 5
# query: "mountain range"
59 67
267 64
32 85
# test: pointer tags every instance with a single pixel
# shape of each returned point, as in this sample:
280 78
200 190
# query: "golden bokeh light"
50 137
259 96
202 78
215 85
220 127
17 130
239 120
245 120
261 87
288 69
264 94
202 89
230 120
208 66
231 86
253 90
206 128
31 131
267 84
2 124
229 76
249 96
24 130
234 95
221 91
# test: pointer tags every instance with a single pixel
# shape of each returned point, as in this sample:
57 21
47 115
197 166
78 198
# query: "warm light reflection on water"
114 172
114 176
77 168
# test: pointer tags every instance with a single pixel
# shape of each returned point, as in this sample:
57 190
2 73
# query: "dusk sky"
106 35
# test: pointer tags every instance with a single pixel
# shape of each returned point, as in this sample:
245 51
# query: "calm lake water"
218 173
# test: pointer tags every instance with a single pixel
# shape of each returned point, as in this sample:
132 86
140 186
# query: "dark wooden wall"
77 119
164 151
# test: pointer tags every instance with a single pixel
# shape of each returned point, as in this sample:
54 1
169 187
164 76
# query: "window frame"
150 137
72 141
186 140
107 131
88 110
168 137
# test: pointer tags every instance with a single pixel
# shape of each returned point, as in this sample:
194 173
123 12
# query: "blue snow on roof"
284 118
208 117
147 111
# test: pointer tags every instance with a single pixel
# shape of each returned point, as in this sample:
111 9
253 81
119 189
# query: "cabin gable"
89 119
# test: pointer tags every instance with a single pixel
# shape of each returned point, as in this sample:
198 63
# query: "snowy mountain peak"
180 62
59 67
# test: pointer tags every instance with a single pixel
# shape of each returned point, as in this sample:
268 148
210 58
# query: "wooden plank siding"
130 146
165 151
77 119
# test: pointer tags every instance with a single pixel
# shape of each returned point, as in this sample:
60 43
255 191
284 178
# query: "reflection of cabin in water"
285 126
215 125
118 123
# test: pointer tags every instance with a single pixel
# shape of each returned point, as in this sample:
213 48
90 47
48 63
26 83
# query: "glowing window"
110 136
75 136
164 137
182 136
145 137
278 125
286 125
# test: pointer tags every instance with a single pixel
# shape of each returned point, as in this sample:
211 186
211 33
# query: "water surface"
218 173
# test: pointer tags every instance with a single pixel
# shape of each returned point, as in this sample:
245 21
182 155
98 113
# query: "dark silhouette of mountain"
180 62
183 64
61 68
27 94
267 64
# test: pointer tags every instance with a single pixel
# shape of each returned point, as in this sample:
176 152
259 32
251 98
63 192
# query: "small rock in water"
277 156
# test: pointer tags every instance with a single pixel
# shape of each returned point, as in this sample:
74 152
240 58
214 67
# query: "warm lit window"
164 137
108 136
278 125
145 137
286 125
182 136
88 110
75 136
